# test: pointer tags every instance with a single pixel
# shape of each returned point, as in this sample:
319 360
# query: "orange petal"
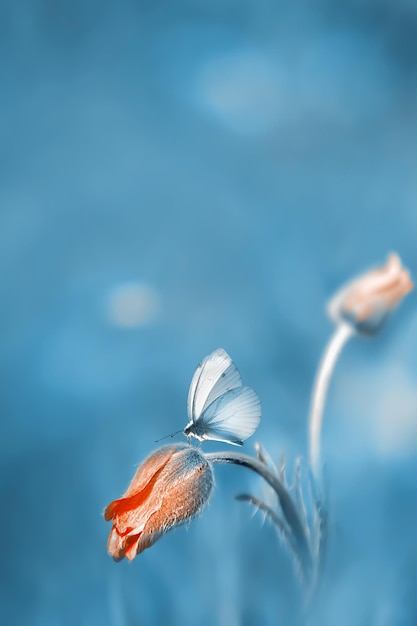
114 545
125 505
131 546
149 466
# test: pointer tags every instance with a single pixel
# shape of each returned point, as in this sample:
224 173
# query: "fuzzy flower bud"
169 488
365 302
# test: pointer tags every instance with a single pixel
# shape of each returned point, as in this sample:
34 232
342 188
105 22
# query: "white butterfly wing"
232 417
215 375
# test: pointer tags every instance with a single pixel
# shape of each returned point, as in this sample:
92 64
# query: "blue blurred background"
179 176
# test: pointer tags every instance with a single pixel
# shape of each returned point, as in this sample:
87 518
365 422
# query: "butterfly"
219 407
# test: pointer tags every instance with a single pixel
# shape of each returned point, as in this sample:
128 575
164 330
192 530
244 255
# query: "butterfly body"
195 430
220 408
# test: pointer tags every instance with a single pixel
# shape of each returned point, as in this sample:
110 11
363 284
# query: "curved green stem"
262 506
287 505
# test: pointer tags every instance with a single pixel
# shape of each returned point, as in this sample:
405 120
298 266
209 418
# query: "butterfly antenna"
167 436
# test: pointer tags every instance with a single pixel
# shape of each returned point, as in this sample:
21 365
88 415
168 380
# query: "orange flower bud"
169 488
366 301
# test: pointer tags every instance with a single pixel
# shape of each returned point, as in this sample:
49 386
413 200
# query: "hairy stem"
333 349
262 506
288 508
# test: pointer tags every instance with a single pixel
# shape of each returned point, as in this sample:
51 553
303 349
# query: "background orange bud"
366 301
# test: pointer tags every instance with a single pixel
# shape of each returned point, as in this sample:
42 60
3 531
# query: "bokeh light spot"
131 305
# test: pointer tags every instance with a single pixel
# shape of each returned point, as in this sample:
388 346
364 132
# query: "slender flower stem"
260 504
333 349
287 505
